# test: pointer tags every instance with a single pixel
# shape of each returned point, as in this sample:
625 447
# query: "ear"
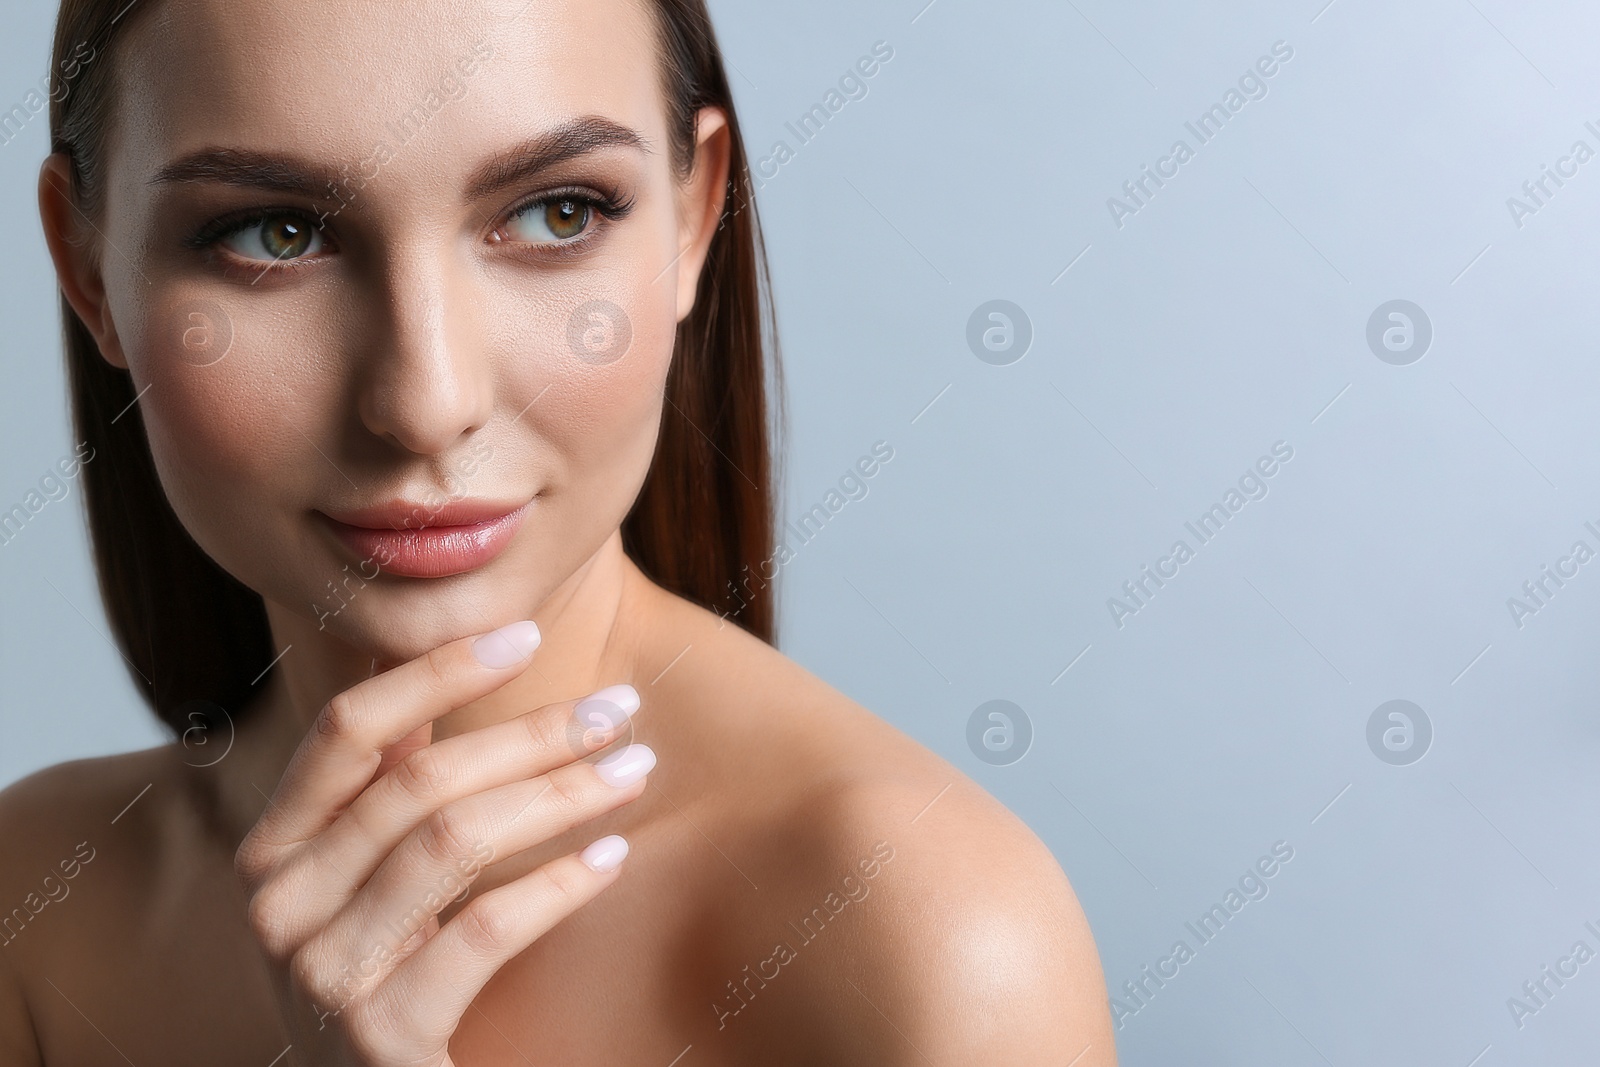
67 233
701 201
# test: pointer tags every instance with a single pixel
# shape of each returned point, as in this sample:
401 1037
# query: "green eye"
274 238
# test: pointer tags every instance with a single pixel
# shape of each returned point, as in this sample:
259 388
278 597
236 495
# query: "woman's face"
343 281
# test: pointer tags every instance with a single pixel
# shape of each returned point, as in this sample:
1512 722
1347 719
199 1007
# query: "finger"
343 748
417 739
434 986
437 861
322 879
516 750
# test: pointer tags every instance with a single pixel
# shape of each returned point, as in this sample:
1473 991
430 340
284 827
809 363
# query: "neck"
592 627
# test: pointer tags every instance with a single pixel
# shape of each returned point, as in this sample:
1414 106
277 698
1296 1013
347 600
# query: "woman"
417 355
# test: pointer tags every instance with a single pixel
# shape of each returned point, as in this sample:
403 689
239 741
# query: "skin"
374 367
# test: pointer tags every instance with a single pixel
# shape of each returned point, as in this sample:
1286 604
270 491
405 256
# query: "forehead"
338 79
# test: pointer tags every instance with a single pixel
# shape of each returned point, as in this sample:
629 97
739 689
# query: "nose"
425 378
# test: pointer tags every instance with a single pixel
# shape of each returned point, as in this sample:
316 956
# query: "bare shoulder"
959 938
61 837
83 797
95 830
75 782
973 919
976 948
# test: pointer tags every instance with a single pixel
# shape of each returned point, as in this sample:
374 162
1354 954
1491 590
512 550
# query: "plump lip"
404 514
420 541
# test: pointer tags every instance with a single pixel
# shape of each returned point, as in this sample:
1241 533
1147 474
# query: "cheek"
605 347
589 349
615 352
220 426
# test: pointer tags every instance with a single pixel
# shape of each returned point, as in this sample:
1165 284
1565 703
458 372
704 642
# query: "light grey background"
1228 314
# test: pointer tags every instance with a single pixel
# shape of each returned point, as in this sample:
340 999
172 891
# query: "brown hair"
192 633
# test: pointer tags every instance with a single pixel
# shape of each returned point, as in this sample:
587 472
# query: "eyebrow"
296 175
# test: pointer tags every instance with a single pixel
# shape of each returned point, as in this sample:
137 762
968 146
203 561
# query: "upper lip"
417 515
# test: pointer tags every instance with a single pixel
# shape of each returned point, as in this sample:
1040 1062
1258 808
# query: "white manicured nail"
605 854
508 645
626 765
607 708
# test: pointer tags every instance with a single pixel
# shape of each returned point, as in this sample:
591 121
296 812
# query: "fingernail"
605 854
607 708
626 765
508 645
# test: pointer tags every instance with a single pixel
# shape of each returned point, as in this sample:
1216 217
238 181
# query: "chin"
395 619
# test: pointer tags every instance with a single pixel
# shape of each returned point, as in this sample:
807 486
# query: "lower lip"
433 551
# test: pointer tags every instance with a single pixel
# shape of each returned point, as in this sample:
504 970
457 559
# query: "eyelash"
609 205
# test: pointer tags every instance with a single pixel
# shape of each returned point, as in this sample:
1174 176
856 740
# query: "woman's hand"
372 831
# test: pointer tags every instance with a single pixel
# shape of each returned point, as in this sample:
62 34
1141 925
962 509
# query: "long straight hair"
193 635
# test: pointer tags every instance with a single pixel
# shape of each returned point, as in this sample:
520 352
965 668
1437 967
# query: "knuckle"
563 795
269 922
338 719
329 987
488 925
445 836
251 860
564 883
548 730
422 776
307 971
437 671
369 1027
